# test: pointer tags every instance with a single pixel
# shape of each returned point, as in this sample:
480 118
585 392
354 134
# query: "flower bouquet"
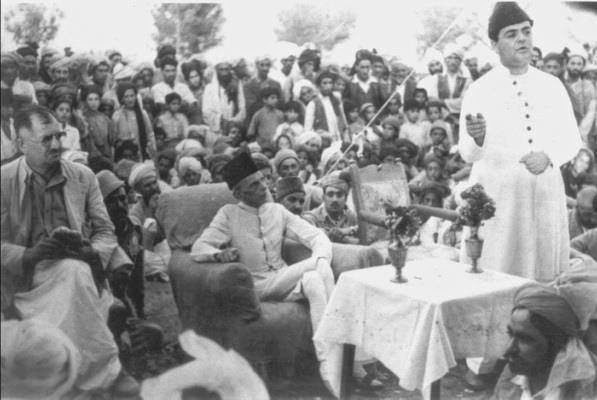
478 207
404 224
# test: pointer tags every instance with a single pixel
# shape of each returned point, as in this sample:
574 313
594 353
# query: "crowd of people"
283 130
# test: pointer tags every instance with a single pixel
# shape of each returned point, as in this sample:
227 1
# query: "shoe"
125 385
370 383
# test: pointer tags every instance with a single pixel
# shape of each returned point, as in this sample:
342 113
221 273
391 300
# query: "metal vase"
474 249
397 253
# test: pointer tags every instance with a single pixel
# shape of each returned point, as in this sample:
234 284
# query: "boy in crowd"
172 121
265 121
413 129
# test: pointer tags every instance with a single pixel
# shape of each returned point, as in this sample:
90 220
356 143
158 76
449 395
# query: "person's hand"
45 249
335 235
536 162
227 255
475 126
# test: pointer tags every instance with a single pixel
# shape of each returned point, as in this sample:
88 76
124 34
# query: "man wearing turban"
189 171
144 180
252 232
451 86
546 357
12 64
333 216
518 128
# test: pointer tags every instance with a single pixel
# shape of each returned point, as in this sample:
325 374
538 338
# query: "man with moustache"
546 357
223 99
581 89
41 277
518 129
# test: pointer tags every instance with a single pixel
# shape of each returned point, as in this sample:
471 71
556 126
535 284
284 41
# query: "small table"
417 329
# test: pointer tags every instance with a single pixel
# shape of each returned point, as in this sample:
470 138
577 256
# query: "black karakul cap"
505 13
238 169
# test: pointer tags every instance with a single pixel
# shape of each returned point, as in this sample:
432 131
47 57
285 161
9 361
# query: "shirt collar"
369 81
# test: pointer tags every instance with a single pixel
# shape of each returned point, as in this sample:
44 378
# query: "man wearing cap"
581 89
256 84
286 163
518 129
290 192
40 193
364 88
398 73
333 216
451 86
29 54
223 99
252 232
324 111
546 357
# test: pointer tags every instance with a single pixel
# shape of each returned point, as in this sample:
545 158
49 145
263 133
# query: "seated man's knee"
70 268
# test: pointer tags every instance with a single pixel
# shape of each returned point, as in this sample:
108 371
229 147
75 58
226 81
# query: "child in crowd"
435 113
100 127
393 109
390 131
408 153
373 132
70 139
413 129
126 150
107 107
235 132
355 123
283 140
292 120
433 173
307 171
438 145
420 96
42 93
160 138
172 121
265 121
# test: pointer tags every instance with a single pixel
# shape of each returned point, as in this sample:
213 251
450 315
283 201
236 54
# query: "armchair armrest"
211 295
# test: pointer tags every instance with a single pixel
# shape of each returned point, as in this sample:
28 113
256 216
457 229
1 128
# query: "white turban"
38 360
453 49
187 144
298 86
141 171
186 164
122 71
304 137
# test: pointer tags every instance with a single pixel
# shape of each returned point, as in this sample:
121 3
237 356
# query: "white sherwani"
528 236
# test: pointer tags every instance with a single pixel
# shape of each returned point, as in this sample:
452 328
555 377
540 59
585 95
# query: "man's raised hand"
476 127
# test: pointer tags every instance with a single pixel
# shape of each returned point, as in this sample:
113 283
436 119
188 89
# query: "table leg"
346 384
435 390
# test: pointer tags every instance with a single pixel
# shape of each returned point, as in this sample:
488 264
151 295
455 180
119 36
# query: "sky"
248 31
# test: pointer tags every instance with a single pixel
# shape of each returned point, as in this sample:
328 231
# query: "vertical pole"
346 382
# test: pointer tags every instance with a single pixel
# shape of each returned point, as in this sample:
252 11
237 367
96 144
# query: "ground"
161 309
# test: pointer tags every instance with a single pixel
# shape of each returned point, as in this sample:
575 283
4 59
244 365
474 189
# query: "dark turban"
546 302
505 13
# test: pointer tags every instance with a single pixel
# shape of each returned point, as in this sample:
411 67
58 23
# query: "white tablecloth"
418 329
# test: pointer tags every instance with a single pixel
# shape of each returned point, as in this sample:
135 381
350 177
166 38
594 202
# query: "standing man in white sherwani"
519 129
254 230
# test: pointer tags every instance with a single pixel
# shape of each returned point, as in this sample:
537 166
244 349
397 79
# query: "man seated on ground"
546 358
254 230
333 216
59 281
143 179
290 192
584 216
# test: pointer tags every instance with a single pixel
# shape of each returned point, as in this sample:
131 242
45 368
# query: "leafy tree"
193 26
304 23
33 22
436 19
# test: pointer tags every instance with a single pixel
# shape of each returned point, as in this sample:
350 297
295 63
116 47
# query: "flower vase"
397 253
474 249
